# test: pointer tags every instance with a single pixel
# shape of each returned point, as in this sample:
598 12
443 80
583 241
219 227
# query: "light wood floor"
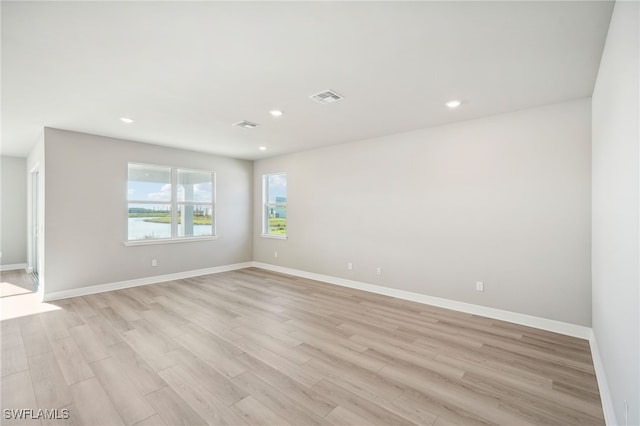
15 282
259 348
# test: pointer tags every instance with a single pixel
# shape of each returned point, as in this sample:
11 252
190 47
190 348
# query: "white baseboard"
522 319
514 317
603 386
13 267
101 288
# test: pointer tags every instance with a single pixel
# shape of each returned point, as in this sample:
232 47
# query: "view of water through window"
154 192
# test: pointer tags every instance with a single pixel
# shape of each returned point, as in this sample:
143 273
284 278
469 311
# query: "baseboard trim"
101 288
605 396
13 267
517 318
514 317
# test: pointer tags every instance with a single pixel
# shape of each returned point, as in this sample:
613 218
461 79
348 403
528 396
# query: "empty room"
320 213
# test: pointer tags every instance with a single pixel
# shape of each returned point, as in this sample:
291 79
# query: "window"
170 203
274 201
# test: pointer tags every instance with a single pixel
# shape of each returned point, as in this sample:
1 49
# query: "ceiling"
186 71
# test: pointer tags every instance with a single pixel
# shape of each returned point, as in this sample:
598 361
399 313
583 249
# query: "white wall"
13 224
86 212
616 211
504 200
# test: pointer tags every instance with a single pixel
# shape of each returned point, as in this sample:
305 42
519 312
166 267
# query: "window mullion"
150 183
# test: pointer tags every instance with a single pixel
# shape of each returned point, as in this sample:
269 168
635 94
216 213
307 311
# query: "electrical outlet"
350 266
379 271
479 286
275 254
154 262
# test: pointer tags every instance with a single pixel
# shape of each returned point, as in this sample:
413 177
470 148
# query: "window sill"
150 242
275 237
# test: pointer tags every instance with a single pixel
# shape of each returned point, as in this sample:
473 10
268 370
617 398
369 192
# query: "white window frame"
174 204
266 205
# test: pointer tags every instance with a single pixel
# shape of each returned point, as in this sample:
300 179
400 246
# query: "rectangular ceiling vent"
326 97
246 124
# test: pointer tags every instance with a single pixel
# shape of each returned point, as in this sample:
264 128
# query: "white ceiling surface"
187 71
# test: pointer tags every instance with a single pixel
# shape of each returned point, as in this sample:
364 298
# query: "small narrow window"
170 203
274 201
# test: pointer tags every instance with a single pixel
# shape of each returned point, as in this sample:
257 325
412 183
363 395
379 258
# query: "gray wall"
504 200
86 212
13 225
616 211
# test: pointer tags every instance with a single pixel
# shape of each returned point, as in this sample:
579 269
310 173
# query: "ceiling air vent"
246 124
326 97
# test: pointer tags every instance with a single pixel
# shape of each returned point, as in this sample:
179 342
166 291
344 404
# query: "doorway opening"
35 226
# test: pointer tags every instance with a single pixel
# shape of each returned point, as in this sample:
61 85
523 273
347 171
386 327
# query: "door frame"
35 234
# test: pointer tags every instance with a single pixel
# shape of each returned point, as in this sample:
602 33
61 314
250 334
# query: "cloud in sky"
163 195
202 192
146 191
277 187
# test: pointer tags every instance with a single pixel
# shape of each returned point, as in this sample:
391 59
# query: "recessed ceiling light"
453 104
126 120
276 113
262 148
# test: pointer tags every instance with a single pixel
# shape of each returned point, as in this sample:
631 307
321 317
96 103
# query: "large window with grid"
168 203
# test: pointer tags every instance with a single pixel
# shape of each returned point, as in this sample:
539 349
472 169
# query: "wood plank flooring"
252 347
15 282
